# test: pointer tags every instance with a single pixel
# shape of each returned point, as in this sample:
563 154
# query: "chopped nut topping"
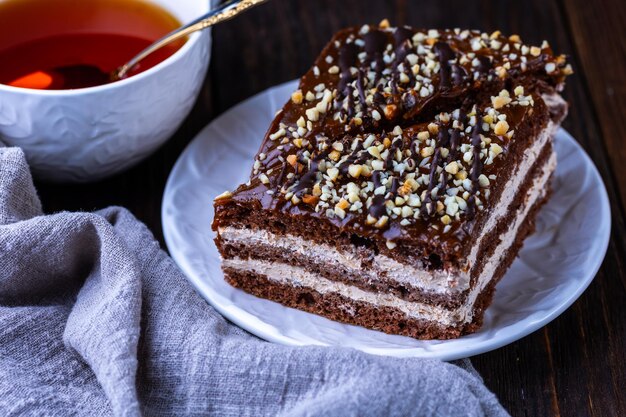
427 151
501 127
382 222
310 199
452 168
501 100
225 194
422 136
360 171
296 97
313 114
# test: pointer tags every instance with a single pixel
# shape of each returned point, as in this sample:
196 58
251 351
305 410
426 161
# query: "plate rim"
261 329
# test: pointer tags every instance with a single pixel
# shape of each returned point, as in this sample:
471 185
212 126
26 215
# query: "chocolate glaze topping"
400 134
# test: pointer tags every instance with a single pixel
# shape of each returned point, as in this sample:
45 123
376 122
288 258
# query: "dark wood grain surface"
575 366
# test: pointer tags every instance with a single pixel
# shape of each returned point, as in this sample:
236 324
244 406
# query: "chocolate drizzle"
378 209
310 177
455 136
401 34
436 179
359 84
445 55
477 167
394 186
375 44
484 64
348 56
356 156
392 151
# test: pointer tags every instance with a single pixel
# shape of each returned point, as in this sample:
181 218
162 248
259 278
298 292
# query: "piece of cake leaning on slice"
397 185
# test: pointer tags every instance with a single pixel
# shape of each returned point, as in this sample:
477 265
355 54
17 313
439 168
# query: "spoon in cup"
91 75
220 14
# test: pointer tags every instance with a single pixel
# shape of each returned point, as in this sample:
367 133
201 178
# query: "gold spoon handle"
223 12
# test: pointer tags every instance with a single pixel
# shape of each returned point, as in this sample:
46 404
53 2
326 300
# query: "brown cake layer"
323 230
385 319
346 275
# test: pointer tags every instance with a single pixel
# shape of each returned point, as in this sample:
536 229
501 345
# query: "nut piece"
567 70
310 199
355 170
501 128
313 114
500 101
422 136
332 173
427 151
373 150
225 194
452 168
515 38
292 159
550 67
390 110
496 149
334 155
381 222
342 204
405 189
278 134
296 97
433 128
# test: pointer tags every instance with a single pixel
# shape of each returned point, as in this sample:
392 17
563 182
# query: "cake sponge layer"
294 285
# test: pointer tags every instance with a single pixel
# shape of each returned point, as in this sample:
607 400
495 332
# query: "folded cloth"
96 320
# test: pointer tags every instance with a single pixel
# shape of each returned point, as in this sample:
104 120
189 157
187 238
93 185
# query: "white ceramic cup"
87 134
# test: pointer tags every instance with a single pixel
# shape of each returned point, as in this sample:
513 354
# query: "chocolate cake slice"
397 185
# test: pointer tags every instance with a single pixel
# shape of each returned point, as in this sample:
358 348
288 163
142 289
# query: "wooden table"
574 366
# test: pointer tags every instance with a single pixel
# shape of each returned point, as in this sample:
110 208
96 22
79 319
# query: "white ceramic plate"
556 265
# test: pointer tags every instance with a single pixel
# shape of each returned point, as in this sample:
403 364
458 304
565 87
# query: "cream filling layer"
300 277
437 282
323 254
511 190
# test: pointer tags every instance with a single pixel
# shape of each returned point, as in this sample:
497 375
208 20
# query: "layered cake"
397 185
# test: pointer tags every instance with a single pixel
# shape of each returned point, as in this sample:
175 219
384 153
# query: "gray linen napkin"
96 320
